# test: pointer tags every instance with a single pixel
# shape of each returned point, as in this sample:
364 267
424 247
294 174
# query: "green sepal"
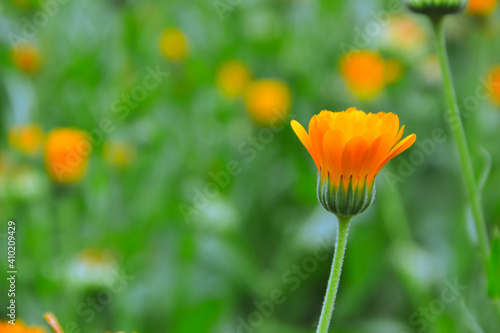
438 8
344 202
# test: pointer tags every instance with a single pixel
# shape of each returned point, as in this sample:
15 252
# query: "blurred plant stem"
401 244
461 141
333 283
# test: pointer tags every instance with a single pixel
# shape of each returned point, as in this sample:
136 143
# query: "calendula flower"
430 69
349 149
367 73
173 44
405 35
27 58
482 7
494 84
232 78
54 323
66 154
268 101
118 154
19 327
436 7
27 139
93 268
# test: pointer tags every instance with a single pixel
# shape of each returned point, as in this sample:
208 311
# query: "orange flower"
366 73
349 149
406 35
118 154
27 138
27 58
494 84
232 78
482 7
66 154
19 327
267 101
173 44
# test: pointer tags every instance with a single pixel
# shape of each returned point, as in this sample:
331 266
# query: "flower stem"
333 283
461 142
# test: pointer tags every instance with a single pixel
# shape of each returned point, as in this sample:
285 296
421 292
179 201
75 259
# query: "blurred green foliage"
249 245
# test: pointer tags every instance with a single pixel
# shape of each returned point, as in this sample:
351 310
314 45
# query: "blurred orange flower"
268 101
19 327
349 149
26 138
494 84
406 35
66 154
482 7
173 44
118 154
367 73
27 58
232 78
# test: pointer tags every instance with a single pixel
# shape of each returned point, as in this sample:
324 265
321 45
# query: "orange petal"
333 146
353 158
398 149
305 139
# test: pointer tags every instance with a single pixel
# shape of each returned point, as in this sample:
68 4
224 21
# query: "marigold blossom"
349 149
27 58
66 154
268 101
494 84
232 78
27 139
367 73
118 154
173 44
19 327
482 7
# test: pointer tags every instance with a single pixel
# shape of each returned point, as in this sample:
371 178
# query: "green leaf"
494 267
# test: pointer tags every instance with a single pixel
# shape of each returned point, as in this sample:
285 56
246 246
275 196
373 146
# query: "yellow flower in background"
27 139
367 73
118 154
268 101
482 7
27 58
173 44
19 327
232 78
406 35
66 154
349 149
494 84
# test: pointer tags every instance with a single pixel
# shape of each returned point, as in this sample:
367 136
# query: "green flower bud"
437 7
345 202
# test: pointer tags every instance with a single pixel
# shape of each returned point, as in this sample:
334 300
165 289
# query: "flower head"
494 84
66 154
27 58
436 7
349 149
367 73
406 36
482 7
268 101
26 138
19 327
173 44
118 154
232 78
